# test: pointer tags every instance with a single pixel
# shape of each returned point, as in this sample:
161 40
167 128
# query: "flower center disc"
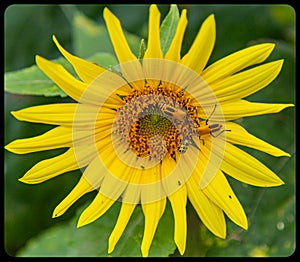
150 125
143 142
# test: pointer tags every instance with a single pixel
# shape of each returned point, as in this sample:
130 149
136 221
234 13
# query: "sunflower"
156 127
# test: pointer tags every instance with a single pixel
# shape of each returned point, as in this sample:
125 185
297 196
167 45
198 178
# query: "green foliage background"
29 229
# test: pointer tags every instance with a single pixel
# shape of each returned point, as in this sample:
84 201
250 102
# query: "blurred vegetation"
28 208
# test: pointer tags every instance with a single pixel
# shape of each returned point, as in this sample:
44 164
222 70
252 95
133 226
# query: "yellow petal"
210 214
202 47
247 82
123 218
95 210
113 187
153 47
83 187
240 136
132 194
87 71
220 192
153 212
175 47
129 200
247 169
178 203
59 75
51 167
68 115
236 62
117 37
243 108
53 114
58 137
89 181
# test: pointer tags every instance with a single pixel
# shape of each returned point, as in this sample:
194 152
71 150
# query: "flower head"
156 128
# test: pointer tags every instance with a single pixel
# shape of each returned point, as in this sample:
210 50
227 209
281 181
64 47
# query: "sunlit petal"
87 71
236 62
59 75
153 47
178 203
175 47
202 47
153 212
220 192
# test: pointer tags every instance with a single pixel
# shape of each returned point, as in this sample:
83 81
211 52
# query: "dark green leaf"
91 240
168 28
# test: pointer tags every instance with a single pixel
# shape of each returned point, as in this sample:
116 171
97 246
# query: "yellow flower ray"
63 114
52 167
220 192
244 167
201 49
178 202
57 137
57 73
96 209
240 136
175 47
127 208
152 212
247 82
236 62
117 36
123 218
210 214
242 108
153 48
83 187
87 71
248 169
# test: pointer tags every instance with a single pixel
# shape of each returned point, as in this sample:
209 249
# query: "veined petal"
59 75
153 212
86 70
175 47
247 169
68 115
240 136
130 197
89 181
202 47
247 82
236 62
210 214
243 108
117 37
123 218
53 114
51 167
153 47
178 203
220 192
58 137
96 209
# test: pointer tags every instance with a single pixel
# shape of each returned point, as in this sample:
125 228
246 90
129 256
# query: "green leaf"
90 37
168 28
104 59
32 81
91 240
